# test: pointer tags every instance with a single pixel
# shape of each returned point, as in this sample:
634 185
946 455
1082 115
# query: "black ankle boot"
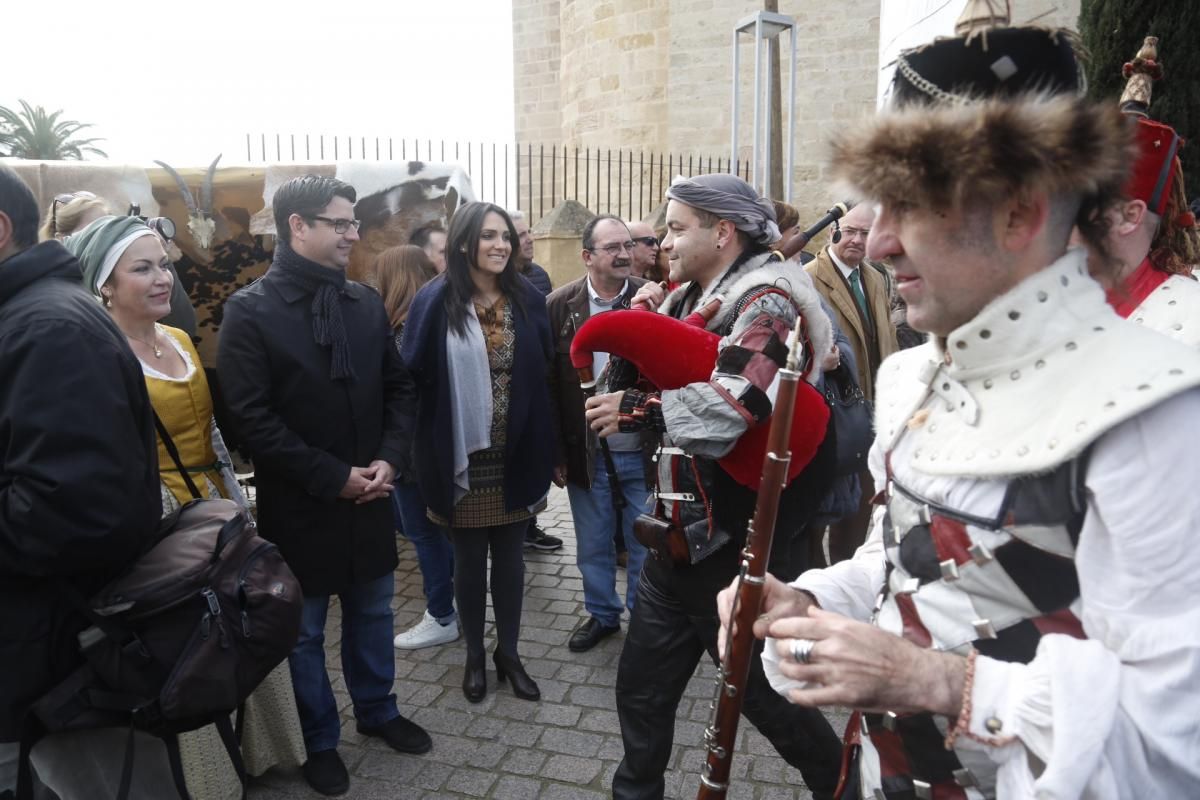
510 667
475 678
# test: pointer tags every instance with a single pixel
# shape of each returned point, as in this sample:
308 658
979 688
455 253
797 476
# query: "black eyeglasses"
649 241
339 225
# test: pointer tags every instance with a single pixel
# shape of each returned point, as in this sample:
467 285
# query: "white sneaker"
427 633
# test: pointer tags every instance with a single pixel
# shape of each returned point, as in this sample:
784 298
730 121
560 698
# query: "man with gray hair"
532 272
718 235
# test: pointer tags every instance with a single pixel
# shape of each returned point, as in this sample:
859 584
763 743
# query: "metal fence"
534 177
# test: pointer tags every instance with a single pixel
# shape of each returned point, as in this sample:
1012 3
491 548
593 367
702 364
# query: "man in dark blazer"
608 285
320 399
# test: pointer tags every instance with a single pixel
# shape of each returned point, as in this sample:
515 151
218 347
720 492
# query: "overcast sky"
181 82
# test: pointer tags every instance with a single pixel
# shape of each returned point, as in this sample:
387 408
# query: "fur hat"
980 117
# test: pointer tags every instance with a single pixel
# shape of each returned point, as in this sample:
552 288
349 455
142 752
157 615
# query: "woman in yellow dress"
124 264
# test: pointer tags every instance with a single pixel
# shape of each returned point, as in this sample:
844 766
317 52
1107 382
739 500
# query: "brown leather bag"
665 540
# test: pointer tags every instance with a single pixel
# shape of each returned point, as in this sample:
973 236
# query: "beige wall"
655 75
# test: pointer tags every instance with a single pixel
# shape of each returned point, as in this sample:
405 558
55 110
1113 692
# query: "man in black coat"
319 397
79 494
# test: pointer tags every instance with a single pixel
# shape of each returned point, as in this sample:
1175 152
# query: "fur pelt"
764 270
985 150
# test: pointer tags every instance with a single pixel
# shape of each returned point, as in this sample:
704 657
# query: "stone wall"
655 75
536 65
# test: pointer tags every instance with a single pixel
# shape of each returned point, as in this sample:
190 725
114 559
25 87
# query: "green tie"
856 286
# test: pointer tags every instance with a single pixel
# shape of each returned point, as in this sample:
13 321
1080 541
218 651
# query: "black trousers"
662 648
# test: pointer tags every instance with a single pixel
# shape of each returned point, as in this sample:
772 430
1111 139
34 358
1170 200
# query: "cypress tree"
1112 32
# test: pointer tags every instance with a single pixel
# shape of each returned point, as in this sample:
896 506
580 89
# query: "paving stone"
600 721
514 787
571 769
388 765
571 793
470 782
563 716
572 743
523 762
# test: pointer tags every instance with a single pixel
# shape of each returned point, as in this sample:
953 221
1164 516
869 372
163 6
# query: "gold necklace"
153 345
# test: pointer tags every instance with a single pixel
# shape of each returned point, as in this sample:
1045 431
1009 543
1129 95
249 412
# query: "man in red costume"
718 234
1152 236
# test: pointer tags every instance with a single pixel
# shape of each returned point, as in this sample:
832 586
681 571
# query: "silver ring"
802 650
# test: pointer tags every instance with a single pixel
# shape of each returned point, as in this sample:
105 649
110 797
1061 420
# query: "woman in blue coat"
477 341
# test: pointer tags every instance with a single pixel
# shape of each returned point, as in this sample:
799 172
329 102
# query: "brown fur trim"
941 157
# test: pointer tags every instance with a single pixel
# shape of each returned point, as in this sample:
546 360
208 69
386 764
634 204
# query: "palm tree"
33 133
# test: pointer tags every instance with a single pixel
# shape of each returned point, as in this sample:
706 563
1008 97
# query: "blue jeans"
435 554
596 554
368 662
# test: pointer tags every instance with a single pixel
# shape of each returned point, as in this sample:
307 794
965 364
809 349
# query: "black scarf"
325 284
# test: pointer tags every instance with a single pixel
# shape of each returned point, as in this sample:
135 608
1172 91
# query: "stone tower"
655 76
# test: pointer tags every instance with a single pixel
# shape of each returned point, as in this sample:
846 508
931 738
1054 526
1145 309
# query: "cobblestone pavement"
565 747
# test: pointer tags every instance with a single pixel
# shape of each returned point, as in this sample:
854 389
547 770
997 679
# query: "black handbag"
850 414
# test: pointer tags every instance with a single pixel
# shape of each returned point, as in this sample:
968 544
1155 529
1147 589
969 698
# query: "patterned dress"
483 505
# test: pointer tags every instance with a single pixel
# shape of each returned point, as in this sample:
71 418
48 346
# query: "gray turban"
729 197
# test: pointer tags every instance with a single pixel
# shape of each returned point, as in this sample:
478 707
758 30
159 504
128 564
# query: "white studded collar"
1173 309
1029 382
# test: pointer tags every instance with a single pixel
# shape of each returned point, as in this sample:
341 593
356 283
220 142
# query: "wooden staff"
721 733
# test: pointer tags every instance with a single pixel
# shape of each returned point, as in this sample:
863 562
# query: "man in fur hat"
1022 620
718 232
1152 237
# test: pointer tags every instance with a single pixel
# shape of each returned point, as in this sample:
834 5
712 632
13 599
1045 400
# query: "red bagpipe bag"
672 353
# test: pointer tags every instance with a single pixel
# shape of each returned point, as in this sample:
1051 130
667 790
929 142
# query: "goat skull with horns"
201 219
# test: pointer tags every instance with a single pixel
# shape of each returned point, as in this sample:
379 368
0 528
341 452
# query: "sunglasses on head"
63 199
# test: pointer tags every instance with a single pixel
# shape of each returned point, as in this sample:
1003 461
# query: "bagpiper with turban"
1022 620
718 234
1153 240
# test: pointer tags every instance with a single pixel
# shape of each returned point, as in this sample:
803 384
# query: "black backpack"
182 637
